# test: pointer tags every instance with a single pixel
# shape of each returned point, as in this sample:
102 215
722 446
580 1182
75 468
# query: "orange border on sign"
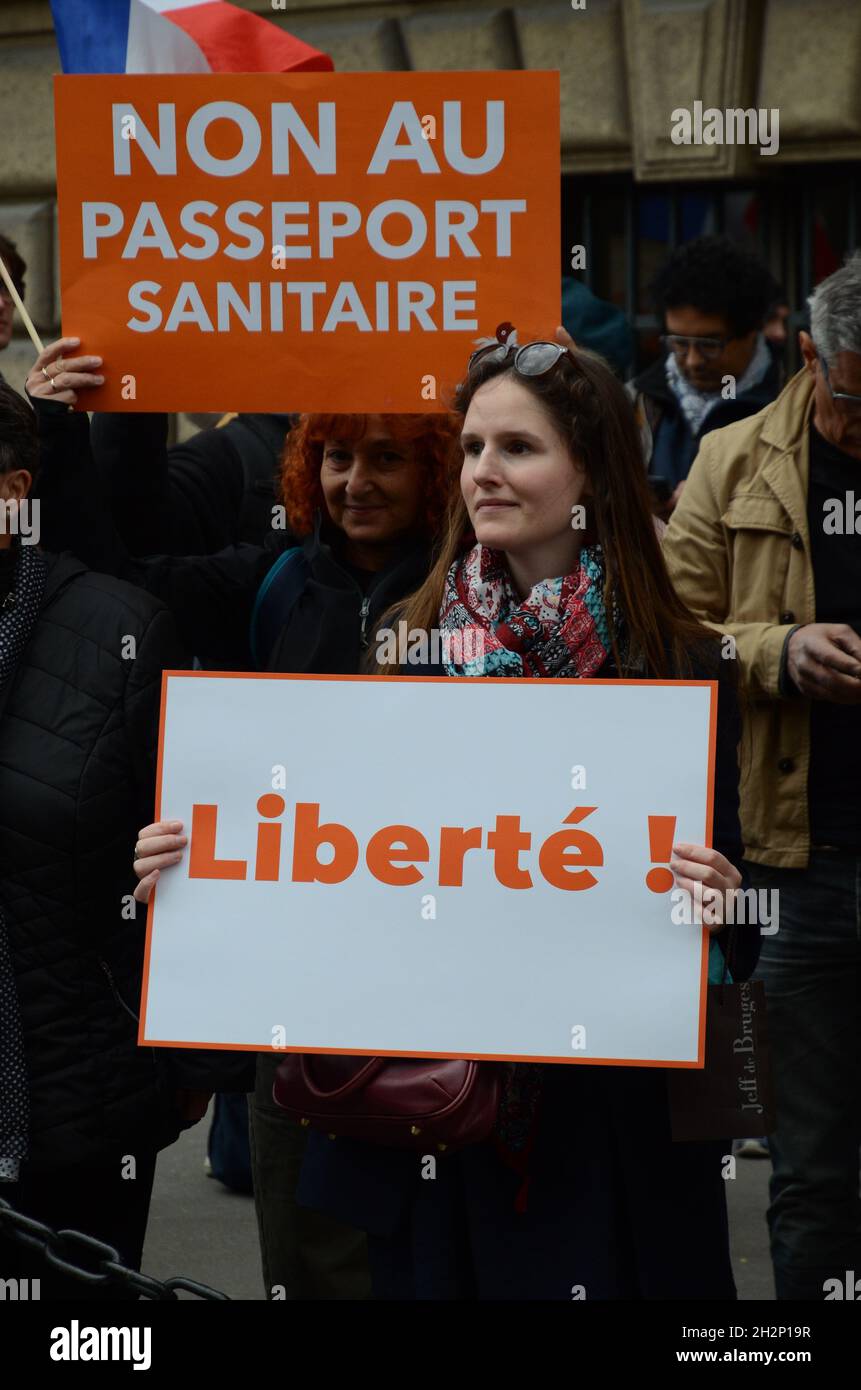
143 1041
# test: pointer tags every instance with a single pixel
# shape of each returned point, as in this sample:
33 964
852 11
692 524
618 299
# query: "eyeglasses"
532 359
851 404
708 348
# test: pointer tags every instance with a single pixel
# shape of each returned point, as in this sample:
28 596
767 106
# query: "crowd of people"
283 543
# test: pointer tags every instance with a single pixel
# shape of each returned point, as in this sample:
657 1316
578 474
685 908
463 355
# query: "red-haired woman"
362 497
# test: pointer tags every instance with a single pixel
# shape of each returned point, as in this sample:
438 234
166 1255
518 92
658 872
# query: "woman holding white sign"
551 555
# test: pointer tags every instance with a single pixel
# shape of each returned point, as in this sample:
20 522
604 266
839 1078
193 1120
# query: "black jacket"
214 490
78 722
212 596
673 446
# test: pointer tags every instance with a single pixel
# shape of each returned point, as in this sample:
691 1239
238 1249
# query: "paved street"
748 1199
199 1229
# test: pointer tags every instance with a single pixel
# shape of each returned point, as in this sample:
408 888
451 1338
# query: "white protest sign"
431 867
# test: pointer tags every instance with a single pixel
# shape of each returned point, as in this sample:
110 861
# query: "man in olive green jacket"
763 546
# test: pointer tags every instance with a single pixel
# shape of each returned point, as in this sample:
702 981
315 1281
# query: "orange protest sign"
304 241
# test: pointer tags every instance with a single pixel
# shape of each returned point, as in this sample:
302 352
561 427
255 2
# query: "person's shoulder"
277 543
256 440
272 429
730 456
651 382
213 441
741 439
97 599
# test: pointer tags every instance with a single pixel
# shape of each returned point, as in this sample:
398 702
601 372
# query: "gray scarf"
18 615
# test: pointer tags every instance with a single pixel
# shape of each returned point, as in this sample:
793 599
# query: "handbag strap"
276 596
730 943
354 1083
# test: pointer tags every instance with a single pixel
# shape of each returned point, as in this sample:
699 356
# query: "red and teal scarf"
559 629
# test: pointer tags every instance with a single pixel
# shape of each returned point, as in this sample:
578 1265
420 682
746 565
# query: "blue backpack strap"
275 598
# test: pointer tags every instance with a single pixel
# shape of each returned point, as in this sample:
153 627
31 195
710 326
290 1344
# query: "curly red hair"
435 438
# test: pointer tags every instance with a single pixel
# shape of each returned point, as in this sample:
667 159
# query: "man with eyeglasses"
717 366
765 545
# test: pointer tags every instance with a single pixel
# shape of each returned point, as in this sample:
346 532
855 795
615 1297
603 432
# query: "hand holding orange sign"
59 377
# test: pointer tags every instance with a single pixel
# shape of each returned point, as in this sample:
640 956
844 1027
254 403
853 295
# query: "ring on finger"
53 381
46 374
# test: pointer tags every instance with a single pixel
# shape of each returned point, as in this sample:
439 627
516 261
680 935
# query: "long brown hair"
593 414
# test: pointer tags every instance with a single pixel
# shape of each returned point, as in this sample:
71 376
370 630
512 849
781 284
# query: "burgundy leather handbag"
403 1103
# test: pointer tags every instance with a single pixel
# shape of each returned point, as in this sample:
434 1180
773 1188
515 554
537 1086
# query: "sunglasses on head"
532 359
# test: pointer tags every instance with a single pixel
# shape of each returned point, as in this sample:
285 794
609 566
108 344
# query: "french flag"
175 36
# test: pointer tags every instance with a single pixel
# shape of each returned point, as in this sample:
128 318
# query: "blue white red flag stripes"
175 36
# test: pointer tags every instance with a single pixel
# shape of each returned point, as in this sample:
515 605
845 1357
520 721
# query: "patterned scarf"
695 405
559 629
18 614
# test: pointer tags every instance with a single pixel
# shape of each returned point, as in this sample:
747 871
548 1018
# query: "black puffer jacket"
78 723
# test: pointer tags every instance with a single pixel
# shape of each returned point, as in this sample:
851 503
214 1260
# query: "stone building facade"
625 65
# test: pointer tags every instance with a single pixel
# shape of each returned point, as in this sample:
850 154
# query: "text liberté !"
298 230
